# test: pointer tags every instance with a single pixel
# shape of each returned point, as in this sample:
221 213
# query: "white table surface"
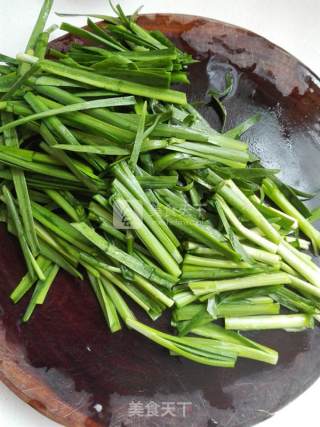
291 24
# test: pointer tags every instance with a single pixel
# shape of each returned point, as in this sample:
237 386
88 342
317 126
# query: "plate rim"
75 417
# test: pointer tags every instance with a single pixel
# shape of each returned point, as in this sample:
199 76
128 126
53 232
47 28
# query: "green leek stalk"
40 24
41 290
28 280
206 287
273 192
150 241
215 263
149 220
121 306
254 350
254 237
164 341
20 184
247 309
55 125
103 82
196 230
289 321
117 254
106 304
31 262
124 175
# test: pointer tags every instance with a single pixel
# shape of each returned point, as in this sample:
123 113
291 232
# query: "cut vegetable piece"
205 287
289 321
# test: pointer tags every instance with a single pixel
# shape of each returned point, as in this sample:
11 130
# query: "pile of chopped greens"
107 172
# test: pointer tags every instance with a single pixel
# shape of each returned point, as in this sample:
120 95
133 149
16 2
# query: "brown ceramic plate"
66 364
